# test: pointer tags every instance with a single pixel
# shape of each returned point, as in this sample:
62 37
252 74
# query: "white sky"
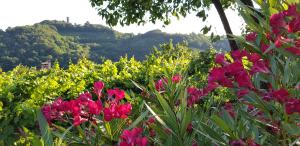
27 12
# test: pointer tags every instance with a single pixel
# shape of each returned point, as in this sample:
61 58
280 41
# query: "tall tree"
225 23
127 12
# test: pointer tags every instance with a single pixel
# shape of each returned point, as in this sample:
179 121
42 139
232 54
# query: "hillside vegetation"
65 42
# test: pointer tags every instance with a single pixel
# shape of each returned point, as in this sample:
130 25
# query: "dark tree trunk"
225 23
249 3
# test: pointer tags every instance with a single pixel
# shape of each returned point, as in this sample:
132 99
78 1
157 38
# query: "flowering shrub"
133 137
264 77
85 109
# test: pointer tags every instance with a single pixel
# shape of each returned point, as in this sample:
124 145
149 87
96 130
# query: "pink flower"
280 95
294 25
292 106
117 111
277 22
242 92
243 79
152 133
133 138
159 85
95 107
260 66
98 86
251 36
239 54
84 98
108 114
78 120
294 50
251 142
189 128
216 74
176 78
194 143
195 95
237 143
220 59
210 87
264 47
291 11
229 108
234 67
124 110
46 110
119 94
150 121
254 57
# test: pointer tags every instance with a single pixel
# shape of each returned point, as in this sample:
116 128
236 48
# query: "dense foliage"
177 96
30 45
24 89
65 42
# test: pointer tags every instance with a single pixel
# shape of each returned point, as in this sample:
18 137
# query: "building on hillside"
46 65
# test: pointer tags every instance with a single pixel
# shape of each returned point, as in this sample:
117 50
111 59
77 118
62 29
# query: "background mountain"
66 42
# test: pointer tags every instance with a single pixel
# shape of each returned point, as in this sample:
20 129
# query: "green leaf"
170 114
138 120
211 134
36 141
221 123
77 144
108 129
44 128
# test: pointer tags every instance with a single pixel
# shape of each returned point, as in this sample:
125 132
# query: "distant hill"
65 42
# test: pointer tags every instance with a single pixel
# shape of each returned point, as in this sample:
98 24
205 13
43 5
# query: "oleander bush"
24 90
246 97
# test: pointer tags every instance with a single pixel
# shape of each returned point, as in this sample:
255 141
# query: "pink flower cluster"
282 24
282 96
133 138
115 108
240 142
84 108
194 95
230 72
160 84
225 74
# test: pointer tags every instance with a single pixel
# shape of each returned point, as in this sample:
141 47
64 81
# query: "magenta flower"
220 59
195 95
176 78
277 22
237 143
119 94
294 50
251 36
239 54
291 11
78 120
95 107
280 95
116 110
243 79
260 66
292 106
133 138
98 86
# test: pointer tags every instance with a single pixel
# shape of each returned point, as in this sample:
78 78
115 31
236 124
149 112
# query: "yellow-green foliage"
24 89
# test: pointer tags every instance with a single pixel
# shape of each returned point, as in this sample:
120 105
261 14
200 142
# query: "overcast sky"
27 12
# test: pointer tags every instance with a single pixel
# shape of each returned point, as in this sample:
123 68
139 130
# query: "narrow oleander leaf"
45 129
138 120
221 123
